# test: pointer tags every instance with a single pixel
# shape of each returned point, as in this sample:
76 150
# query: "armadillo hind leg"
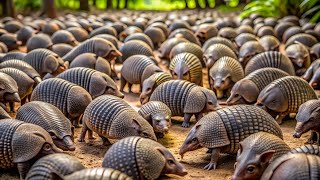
186 120
83 132
314 138
105 141
215 154
130 87
123 83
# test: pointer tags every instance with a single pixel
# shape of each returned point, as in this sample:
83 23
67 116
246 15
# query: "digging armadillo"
39 41
185 99
158 115
135 47
136 69
64 36
97 174
51 119
156 35
186 66
187 34
248 50
142 158
247 90
10 40
284 96
95 82
58 163
241 39
215 52
21 144
188 47
112 118
299 55
79 33
224 74
222 130
71 99
8 90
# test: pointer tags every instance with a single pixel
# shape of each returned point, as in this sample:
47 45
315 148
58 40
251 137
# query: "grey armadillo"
219 40
104 30
185 99
98 46
248 50
64 36
247 90
142 159
135 47
187 34
255 153
280 28
95 82
25 33
97 174
167 46
47 167
300 57
22 144
215 52
158 115
224 74
307 149
269 43
45 61
112 119
156 35
8 90
303 38
79 33
50 27
315 80
270 59
136 69
150 84
13 26
186 66
51 119
228 32
266 31
205 32
71 99
10 40
141 37
243 28
13 55
129 31
4 114
39 41
61 49
293 166
315 51
308 120
284 96
315 65
222 130
188 47
243 38
291 31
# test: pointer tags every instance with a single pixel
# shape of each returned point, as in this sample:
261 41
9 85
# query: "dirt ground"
91 153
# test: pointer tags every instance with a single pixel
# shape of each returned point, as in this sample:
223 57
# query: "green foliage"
27 4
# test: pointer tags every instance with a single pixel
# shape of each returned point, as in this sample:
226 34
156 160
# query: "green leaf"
310 11
315 18
307 4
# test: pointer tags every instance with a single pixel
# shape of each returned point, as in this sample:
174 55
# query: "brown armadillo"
269 43
51 119
284 96
25 33
8 90
188 47
162 26
64 36
61 49
150 84
112 118
50 27
299 55
179 24
71 99
291 31
45 61
247 90
280 28
227 32
248 50
185 99
215 52
135 47
266 31
222 130
142 159
79 33
315 52
293 166
308 119
96 174
136 69
10 40
104 30
315 65
187 34
255 153
141 37
243 28
156 35
13 26
303 38
98 46
21 144
224 74
128 31
270 59
205 32
186 66
39 41
219 40
95 82
243 38
110 38
158 115
167 46
13 55
58 163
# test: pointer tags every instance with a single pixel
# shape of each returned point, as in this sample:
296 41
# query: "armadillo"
70 98
136 69
104 30
284 96
64 36
179 24
243 28
25 33
167 46
269 43
224 74
110 38
3 48
61 164
291 31
129 31
142 158
293 166
8 90
303 38
188 47
185 99
13 55
270 59
4 114
205 32
156 35
45 61
13 26
307 149
247 90
299 55
187 34
10 40
162 26
61 49
141 37
21 144
95 82
112 119
248 50
280 28
186 66
37 41
50 27
79 33
222 130
315 51
97 174
51 119
315 65
266 31
241 39
227 32
135 47
219 40
215 52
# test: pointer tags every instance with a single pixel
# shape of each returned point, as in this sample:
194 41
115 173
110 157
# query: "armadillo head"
222 82
150 70
65 144
192 142
211 100
307 118
53 64
273 100
315 80
147 88
106 49
78 100
101 84
209 59
243 92
8 89
161 122
202 35
299 55
181 71
142 128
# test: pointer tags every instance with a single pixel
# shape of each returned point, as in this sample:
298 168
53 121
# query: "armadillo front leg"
215 154
314 138
199 116
23 169
280 117
105 141
186 120
84 132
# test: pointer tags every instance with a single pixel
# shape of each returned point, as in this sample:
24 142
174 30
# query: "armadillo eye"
170 161
250 169
194 140
47 147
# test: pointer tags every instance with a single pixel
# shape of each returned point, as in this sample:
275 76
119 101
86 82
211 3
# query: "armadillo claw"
210 166
185 124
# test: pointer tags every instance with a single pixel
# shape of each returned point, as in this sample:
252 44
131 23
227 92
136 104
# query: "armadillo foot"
211 165
219 94
185 124
81 140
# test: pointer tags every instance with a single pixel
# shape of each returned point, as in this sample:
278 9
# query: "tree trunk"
84 5
125 4
109 4
8 8
94 3
49 8
217 3
186 2
197 4
207 4
118 4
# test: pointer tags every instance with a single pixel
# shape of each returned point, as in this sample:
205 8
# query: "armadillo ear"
162 150
135 125
266 156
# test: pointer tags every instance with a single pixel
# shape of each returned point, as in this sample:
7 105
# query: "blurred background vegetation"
268 8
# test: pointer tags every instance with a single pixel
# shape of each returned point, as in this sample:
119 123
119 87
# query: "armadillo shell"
270 59
98 174
269 43
187 34
4 114
162 26
133 68
3 48
104 30
280 28
291 32
227 32
266 30
8 82
135 156
63 164
141 37
299 166
46 116
188 47
174 94
219 50
21 65
167 46
13 55
306 109
154 107
39 41
135 47
227 65
191 61
61 49
179 24
307 149
249 48
243 38
156 35
219 40
160 78
63 36
79 33
303 38
110 38
233 124
245 29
